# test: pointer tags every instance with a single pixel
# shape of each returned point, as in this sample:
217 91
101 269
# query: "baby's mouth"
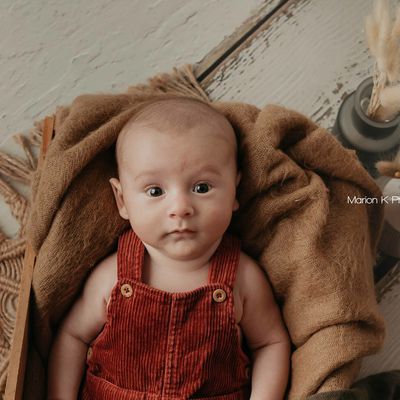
182 232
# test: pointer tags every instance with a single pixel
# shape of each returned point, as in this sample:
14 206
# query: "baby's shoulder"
248 275
105 275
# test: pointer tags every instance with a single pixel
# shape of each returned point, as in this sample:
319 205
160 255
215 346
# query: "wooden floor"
306 55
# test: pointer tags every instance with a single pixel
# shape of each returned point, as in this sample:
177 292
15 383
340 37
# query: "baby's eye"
202 188
154 191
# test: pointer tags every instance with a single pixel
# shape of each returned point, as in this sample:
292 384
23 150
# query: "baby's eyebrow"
209 168
206 168
145 173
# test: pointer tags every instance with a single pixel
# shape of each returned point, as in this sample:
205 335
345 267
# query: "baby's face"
173 181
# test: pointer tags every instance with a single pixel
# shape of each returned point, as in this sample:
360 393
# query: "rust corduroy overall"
163 345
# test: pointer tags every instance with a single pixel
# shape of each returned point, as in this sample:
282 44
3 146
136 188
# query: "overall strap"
225 260
130 256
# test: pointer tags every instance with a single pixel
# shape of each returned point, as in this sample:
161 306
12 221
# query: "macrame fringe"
19 170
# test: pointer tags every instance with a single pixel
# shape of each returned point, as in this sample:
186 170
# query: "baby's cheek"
140 214
219 216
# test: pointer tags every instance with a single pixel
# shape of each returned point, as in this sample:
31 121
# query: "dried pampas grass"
390 103
383 40
384 44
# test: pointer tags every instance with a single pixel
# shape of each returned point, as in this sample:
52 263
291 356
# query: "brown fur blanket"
317 249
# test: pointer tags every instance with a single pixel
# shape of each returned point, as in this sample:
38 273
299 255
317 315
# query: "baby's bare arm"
265 333
81 325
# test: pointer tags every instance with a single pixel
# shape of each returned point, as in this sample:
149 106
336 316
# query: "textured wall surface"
54 50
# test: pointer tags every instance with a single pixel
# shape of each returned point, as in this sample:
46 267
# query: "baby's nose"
181 206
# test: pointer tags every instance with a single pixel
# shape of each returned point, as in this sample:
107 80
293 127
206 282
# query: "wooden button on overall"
126 290
219 295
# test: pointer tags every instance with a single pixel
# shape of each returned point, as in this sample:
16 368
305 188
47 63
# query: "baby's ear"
119 198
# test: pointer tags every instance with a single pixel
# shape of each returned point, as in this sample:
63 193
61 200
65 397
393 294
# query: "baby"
179 311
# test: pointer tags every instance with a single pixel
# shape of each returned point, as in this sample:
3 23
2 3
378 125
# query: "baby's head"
177 167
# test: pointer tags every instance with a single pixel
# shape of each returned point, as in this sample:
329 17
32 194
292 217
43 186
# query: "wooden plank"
308 56
19 348
212 60
144 38
18 353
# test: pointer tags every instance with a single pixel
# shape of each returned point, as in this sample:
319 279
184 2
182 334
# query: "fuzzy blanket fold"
294 219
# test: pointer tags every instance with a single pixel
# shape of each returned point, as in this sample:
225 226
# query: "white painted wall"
54 50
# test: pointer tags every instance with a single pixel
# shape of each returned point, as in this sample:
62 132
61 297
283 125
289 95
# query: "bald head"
176 116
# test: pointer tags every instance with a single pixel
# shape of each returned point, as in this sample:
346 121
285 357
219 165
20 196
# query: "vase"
372 140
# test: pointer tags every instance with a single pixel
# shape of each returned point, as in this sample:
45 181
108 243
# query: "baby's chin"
184 249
